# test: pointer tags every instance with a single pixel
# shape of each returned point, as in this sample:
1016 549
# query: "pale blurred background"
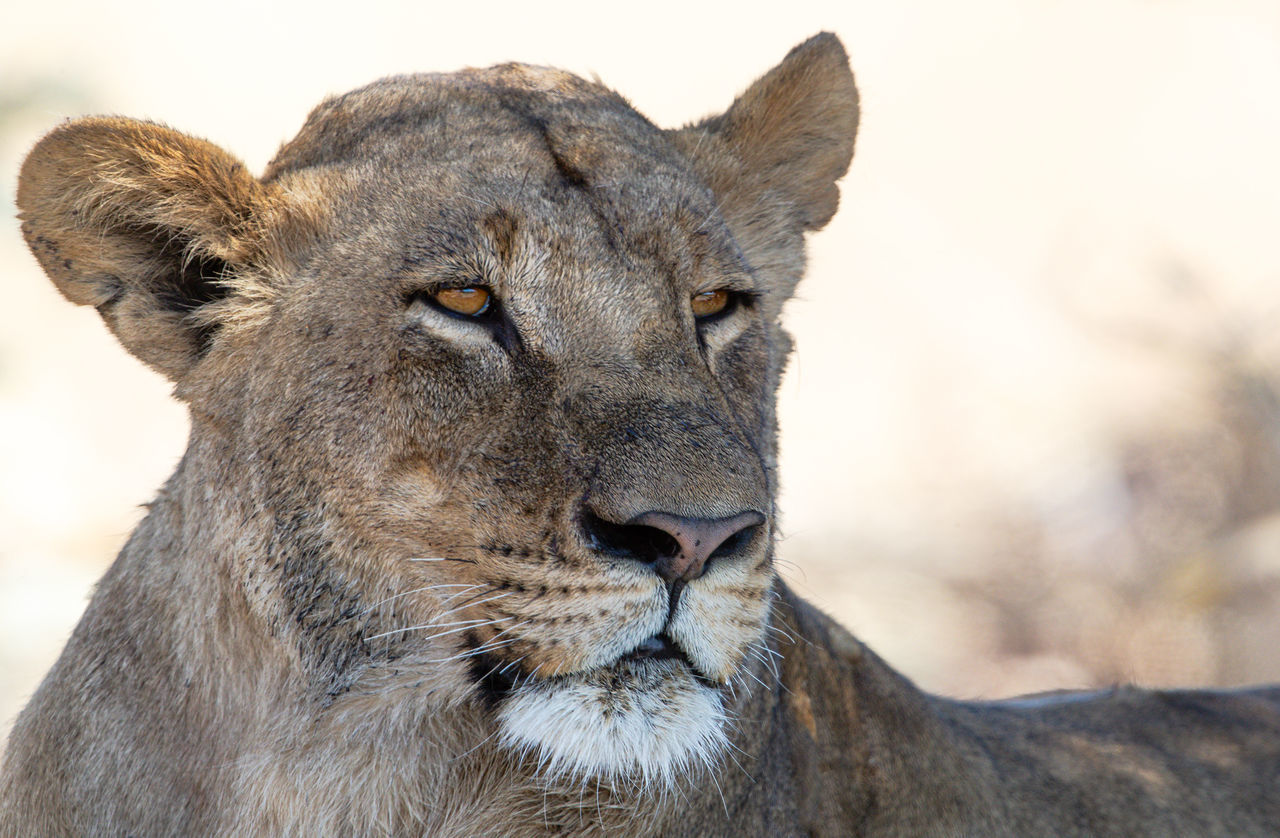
1032 428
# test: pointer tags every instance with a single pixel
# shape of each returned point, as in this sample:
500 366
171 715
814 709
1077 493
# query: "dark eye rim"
427 296
492 319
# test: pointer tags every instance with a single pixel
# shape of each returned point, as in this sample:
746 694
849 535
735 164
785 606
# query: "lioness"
474 534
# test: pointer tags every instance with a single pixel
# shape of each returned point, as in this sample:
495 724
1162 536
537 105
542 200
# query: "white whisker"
472 604
474 748
756 678
417 591
471 653
465 624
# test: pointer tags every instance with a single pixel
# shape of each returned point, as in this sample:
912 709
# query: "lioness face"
488 362
532 365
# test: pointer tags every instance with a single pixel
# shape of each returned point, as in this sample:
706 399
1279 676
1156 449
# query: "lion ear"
147 225
786 140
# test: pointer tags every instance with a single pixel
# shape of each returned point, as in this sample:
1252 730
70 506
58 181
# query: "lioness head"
481 374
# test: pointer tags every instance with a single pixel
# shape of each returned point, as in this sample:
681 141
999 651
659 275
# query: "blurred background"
1031 432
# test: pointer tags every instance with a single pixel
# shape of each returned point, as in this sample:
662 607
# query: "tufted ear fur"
773 158
159 231
791 132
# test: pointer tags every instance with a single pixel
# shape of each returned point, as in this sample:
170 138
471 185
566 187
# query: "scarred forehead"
503 118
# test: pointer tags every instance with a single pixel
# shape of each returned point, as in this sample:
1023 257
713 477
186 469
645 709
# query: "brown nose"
697 540
677 547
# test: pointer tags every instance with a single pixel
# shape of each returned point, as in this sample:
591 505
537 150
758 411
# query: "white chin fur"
647 722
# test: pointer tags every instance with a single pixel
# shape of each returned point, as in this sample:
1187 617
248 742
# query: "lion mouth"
649 713
660 647
497 681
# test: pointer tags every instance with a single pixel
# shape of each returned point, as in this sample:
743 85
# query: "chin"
647 722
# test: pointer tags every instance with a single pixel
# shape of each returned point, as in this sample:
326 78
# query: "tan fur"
388 524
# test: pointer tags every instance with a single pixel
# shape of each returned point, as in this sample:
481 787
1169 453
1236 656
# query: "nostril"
699 540
735 542
660 543
629 541
678 548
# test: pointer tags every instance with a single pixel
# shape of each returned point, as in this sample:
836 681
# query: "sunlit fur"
385 591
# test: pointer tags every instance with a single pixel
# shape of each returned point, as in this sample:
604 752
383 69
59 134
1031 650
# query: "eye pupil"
471 301
709 303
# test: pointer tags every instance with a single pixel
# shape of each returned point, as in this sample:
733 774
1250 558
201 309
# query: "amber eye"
710 302
471 301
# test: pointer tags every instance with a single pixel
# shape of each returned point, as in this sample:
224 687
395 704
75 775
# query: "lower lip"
667 652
